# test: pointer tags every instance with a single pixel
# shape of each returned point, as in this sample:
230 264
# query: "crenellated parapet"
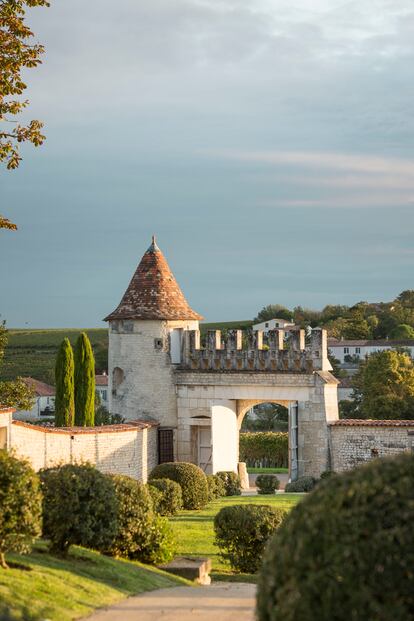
255 351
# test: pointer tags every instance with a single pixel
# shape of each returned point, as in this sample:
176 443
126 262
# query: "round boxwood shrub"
303 484
242 532
156 497
79 507
171 500
267 483
216 487
346 552
191 478
232 483
141 534
20 505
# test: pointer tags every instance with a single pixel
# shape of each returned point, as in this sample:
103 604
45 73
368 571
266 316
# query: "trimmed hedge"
191 478
20 505
79 507
267 483
267 448
303 484
231 481
141 534
171 500
242 532
216 487
346 551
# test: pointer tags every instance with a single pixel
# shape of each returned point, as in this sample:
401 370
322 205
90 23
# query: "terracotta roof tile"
40 388
153 292
356 422
101 380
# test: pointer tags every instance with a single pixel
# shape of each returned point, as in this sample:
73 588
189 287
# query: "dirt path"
222 601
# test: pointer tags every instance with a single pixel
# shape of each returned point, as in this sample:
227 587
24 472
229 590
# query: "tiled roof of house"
370 343
153 292
101 380
41 389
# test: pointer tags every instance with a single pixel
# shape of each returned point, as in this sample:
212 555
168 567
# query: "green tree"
65 388
84 382
384 387
273 311
20 505
17 53
402 331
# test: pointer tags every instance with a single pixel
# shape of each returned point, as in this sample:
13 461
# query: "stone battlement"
255 351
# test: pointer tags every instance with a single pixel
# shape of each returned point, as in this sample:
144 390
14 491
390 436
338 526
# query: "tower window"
158 343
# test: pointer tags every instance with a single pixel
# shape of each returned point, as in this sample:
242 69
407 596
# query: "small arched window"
118 377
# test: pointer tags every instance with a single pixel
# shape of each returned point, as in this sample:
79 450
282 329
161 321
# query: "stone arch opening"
118 377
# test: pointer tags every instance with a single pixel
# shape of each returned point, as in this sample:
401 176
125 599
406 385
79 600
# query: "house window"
104 395
266 325
346 350
357 350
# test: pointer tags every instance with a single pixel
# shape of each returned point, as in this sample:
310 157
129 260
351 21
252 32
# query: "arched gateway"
158 370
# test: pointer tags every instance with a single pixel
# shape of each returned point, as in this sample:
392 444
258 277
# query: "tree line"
363 320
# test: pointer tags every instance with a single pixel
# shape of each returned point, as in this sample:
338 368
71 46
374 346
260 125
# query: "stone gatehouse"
199 392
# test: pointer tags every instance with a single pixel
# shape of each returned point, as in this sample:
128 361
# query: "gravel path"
222 601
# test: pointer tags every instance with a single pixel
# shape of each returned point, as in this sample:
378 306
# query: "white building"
274 324
341 349
44 404
101 387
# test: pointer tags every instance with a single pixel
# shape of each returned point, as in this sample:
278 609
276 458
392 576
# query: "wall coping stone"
129 426
355 422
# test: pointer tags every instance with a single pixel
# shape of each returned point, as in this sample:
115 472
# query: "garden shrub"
242 532
327 474
232 483
346 551
156 497
79 507
268 448
267 483
303 484
171 500
20 505
141 534
216 487
191 478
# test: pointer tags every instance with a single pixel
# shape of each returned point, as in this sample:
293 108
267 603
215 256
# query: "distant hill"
33 352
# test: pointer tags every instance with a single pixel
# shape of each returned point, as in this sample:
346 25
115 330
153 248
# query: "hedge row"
267 448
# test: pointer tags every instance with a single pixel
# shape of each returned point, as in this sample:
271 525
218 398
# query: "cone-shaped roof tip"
153 292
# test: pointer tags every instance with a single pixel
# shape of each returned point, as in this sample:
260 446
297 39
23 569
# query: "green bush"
79 507
156 497
242 532
303 484
191 478
346 552
327 474
231 481
267 448
216 487
171 500
20 505
141 534
267 483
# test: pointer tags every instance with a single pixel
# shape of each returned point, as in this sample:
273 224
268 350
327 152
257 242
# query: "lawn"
194 531
64 589
268 470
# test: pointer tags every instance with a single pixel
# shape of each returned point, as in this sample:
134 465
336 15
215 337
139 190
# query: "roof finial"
153 247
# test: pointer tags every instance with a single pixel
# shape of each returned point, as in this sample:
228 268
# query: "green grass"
194 531
65 589
268 470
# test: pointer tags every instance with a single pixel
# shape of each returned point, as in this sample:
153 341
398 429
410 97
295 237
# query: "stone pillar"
244 477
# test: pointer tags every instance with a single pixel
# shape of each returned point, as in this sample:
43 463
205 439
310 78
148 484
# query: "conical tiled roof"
153 292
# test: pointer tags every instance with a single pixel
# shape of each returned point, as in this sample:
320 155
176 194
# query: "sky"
268 144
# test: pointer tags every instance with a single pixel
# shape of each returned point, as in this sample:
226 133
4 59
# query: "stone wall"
353 442
130 449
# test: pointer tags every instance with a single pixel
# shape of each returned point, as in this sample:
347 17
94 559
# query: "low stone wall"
353 442
130 449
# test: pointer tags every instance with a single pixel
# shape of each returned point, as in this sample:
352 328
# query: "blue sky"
269 145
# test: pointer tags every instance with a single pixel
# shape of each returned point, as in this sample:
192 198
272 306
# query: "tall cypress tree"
84 382
64 379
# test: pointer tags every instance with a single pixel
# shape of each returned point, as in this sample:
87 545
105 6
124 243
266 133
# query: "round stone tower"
145 333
